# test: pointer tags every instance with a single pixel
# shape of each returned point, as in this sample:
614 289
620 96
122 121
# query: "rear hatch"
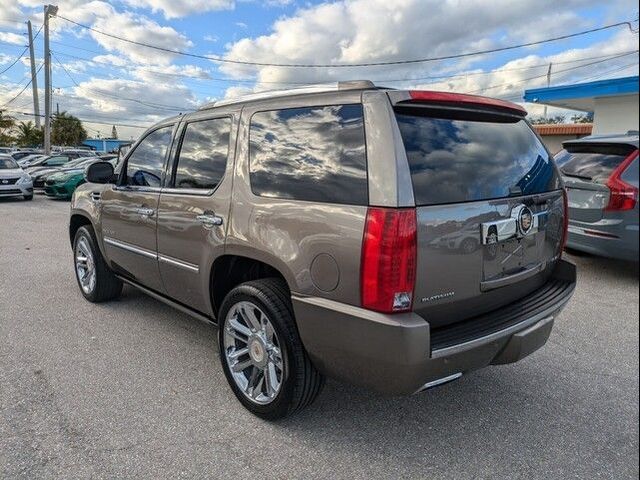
489 206
586 169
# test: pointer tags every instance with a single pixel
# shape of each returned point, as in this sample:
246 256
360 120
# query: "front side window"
145 164
203 154
315 154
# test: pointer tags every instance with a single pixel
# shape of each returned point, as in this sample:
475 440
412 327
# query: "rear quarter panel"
290 235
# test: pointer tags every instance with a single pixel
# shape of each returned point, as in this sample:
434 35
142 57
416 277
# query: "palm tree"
67 130
6 125
28 135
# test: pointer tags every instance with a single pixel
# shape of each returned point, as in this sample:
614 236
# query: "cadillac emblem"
524 219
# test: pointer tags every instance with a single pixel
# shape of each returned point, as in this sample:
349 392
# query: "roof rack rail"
311 88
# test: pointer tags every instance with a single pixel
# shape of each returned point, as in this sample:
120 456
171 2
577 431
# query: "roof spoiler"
456 99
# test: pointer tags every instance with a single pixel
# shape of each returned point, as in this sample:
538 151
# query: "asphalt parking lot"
133 389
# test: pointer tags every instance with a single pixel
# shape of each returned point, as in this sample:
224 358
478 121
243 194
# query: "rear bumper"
614 241
398 354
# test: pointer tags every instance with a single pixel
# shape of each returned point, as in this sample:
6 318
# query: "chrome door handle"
209 220
145 212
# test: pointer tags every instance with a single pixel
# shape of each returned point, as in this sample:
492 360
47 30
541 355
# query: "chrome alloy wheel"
252 351
85 266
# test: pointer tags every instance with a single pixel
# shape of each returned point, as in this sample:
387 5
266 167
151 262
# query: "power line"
544 75
218 58
614 70
22 54
159 106
24 88
29 114
414 79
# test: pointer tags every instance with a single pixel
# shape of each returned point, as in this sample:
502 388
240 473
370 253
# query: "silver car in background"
14 181
601 177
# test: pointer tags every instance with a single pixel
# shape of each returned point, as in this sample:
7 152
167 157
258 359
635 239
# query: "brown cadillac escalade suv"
391 239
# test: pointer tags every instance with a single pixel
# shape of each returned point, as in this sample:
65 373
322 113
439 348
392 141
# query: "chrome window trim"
179 263
174 159
136 188
189 191
130 248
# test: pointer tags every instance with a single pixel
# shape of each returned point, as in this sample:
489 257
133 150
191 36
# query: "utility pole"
49 10
34 78
548 84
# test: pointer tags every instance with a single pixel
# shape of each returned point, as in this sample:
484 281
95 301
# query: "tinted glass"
459 157
203 154
315 154
53 161
144 166
591 162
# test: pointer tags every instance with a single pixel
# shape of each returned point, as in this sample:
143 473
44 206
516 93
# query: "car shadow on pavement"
489 418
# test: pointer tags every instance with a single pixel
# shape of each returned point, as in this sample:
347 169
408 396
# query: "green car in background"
62 184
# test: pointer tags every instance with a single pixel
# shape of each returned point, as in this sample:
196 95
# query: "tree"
583 118
67 130
28 135
114 133
6 126
549 120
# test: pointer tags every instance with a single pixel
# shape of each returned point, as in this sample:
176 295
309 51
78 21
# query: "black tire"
301 383
28 197
107 285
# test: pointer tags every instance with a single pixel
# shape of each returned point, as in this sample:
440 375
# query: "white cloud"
182 8
353 31
139 29
115 60
170 73
13 38
210 38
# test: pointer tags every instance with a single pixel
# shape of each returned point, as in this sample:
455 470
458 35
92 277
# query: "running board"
168 301
439 381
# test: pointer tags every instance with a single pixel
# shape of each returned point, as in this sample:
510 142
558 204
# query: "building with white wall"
614 102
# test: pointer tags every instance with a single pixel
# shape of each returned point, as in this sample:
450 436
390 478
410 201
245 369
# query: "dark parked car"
601 176
303 222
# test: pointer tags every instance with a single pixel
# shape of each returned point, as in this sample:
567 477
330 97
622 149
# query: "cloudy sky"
105 80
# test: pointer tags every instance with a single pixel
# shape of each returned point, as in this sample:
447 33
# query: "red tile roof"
564 129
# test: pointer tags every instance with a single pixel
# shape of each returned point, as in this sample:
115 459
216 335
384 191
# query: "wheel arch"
76 221
230 270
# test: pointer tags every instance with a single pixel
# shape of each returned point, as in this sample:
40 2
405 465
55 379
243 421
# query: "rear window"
591 162
315 154
458 156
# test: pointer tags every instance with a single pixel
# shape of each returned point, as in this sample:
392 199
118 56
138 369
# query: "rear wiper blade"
576 175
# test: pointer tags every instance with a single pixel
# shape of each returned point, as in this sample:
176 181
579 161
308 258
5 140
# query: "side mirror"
99 172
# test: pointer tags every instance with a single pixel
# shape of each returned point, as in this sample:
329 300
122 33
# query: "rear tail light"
623 196
565 220
388 269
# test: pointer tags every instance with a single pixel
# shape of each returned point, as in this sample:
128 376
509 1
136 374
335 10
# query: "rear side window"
146 162
459 156
315 154
591 162
203 154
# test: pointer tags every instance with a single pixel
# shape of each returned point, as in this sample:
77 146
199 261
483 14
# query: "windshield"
8 164
591 162
461 156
